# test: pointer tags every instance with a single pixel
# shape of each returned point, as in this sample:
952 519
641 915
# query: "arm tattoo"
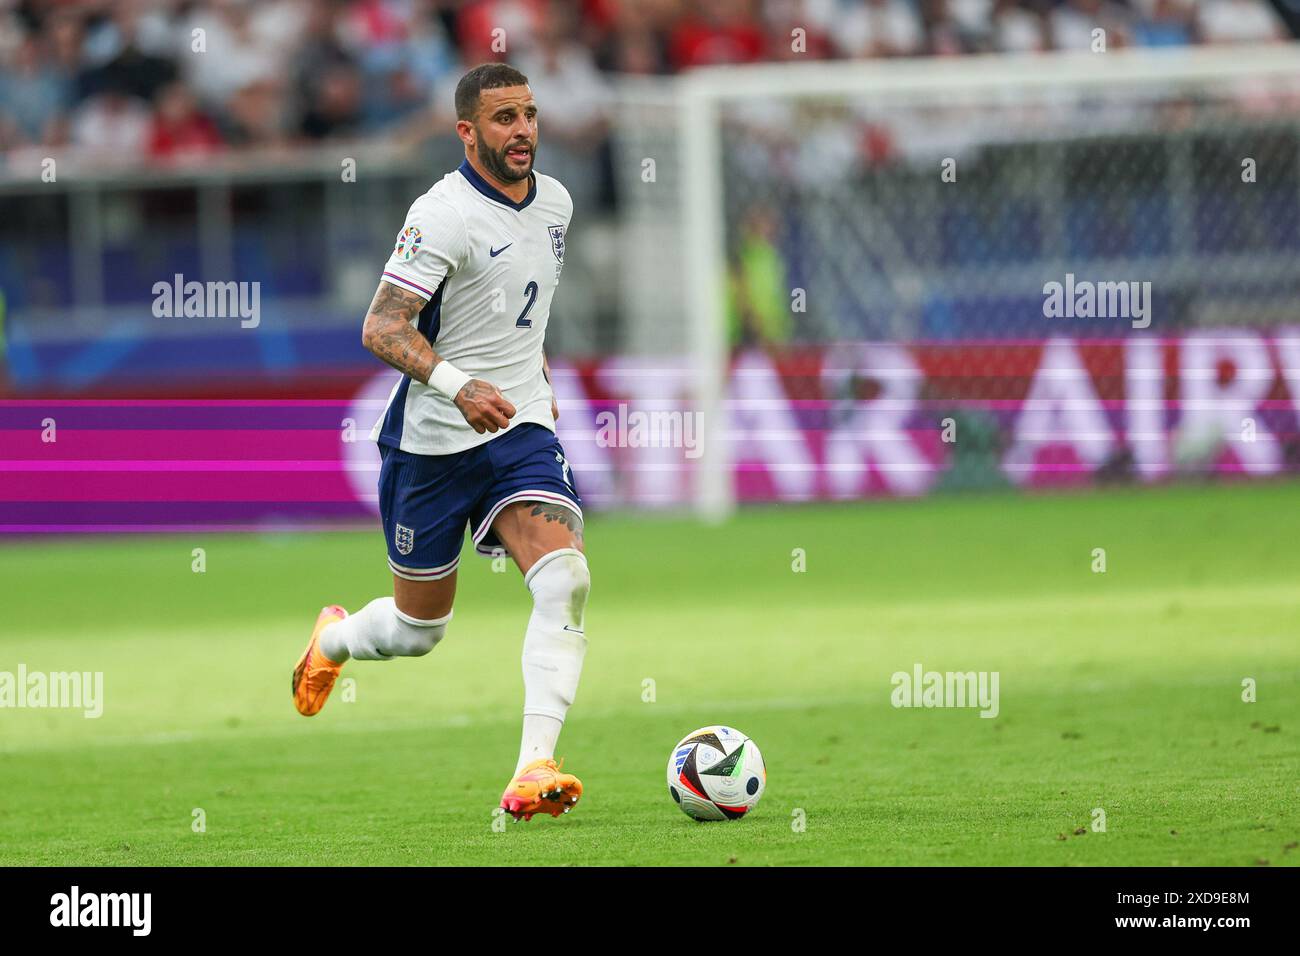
388 332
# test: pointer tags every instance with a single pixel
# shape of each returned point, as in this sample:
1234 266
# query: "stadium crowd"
136 81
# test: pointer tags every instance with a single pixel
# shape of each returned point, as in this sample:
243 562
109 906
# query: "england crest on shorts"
405 540
557 241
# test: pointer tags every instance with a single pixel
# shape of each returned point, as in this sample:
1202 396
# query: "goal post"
703 232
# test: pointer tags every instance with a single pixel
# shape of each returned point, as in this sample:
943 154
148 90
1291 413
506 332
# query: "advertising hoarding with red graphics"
849 422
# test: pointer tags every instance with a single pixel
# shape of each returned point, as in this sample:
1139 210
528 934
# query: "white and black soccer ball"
716 773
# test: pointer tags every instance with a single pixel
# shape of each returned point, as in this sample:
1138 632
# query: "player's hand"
555 409
483 406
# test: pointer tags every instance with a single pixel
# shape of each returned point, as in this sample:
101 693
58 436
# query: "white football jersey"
487 267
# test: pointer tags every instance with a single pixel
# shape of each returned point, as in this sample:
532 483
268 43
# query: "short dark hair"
485 76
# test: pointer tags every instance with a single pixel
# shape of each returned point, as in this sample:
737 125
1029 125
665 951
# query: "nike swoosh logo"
496 252
573 629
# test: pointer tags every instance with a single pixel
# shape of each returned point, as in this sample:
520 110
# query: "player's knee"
561 580
416 637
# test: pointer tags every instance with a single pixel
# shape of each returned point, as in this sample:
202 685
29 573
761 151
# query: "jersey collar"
496 195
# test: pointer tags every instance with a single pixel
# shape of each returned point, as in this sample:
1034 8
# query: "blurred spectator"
563 72
498 29
113 127
815 18
128 24
974 18
33 92
239 74
221 54
1074 24
724 31
1166 23
1017 29
405 58
63 32
180 129
633 44
255 116
325 69
122 51
1238 21
335 109
880 28
574 102
280 24
945 36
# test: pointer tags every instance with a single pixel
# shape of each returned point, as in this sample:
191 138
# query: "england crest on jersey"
404 539
557 242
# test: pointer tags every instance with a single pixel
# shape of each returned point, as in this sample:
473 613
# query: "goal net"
916 275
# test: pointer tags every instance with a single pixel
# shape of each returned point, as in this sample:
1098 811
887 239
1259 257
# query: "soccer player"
468 437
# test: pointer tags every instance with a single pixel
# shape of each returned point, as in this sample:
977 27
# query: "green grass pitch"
1119 690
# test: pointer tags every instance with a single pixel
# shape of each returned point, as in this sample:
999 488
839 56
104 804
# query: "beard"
495 162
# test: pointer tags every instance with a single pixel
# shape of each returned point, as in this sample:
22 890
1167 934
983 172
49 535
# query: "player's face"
505 132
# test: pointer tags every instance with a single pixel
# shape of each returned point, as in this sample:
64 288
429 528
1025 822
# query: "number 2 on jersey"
524 322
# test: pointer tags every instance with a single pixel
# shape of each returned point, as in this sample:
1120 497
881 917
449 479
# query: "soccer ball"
716 773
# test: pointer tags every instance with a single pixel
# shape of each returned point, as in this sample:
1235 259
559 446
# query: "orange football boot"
314 677
540 787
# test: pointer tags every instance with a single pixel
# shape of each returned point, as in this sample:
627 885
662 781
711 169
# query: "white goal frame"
699 95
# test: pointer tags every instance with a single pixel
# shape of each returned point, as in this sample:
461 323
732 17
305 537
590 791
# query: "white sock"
554 646
380 632
540 734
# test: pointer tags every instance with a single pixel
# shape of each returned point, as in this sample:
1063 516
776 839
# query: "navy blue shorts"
427 502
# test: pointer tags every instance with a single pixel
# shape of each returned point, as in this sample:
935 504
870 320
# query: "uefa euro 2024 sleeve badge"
408 242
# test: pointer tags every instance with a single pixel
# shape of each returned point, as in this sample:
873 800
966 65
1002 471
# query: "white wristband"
448 379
